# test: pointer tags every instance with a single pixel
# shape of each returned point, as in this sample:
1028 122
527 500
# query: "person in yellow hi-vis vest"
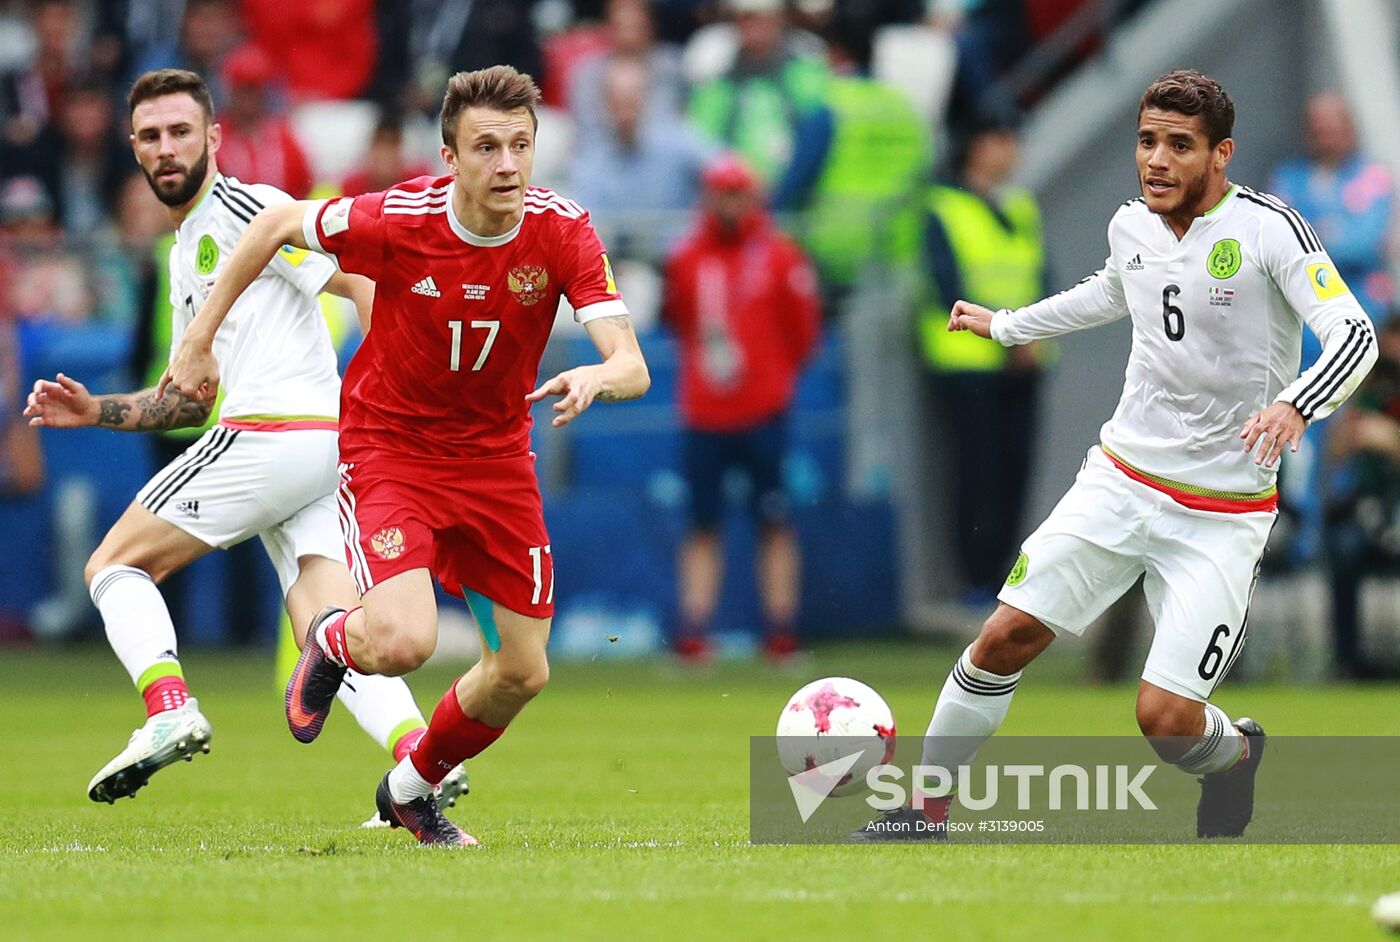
983 241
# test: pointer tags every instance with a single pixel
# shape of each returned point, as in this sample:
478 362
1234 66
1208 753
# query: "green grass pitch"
616 808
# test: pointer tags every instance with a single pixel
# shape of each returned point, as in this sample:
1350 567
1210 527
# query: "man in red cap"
258 145
742 299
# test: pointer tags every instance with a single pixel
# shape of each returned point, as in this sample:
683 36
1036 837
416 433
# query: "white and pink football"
831 718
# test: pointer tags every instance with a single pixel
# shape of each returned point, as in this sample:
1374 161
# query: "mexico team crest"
206 255
388 543
1224 258
528 284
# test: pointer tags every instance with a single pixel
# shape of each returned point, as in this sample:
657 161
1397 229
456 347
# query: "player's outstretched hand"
1278 425
579 387
193 372
61 403
974 317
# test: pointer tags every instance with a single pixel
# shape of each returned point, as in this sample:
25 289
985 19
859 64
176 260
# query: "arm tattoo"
112 411
620 321
174 410
607 395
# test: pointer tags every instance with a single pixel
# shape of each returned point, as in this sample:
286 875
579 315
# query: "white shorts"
233 484
1200 570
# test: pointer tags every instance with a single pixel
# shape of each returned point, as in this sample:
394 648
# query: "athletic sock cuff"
106 578
159 671
1219 734
978 682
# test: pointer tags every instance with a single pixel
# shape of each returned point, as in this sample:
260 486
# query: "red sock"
935 809
336 646
168 693
452 737
407 741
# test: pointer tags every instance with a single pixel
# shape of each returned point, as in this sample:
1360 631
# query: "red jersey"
744 307
460 320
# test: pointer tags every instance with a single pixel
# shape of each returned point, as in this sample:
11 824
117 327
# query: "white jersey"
1217 334
276 362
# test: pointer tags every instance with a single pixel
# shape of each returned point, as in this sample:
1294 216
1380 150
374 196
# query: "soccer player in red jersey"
437 477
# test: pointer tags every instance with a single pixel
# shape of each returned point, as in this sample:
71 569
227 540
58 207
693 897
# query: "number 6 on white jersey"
491 327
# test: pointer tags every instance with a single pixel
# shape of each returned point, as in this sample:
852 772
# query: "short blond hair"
500 88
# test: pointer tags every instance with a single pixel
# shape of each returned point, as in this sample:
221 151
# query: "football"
831 719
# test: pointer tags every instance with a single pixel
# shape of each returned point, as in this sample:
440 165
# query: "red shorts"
475 524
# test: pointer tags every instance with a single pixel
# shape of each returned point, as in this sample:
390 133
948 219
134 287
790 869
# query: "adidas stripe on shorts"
232 484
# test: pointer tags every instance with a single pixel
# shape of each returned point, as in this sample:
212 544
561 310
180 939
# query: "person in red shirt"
258 144
742 299
437 476
384 163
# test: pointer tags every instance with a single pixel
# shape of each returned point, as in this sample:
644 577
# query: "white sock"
381 705
405 784
137 622
1219 748
970 709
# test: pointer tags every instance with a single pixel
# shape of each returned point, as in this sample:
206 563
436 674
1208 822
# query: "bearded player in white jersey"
1219 282
268 468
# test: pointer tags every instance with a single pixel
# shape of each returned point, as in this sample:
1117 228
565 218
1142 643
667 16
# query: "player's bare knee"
400 650
103 558
522 681
1010 639
1169 722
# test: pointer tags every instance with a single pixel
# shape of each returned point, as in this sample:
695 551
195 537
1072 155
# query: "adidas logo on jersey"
1135 264
427 287
190 508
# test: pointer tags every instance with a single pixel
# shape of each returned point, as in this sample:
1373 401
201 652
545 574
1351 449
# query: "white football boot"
453 786
167 737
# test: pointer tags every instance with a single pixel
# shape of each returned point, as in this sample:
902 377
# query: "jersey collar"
203 202
471 238
1234 187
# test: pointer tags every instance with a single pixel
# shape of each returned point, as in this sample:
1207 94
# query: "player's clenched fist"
579 387
193 372
974 317
61 403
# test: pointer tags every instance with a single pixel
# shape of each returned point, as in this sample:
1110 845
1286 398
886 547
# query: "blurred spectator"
384 163
21 459
1363 516
639 160
325 48
44 281
132 267
92 162
31 98
755 106
127 31
208 30
742 300
858 166
423 42
984 244
631 34
258 144
991 36
1349 200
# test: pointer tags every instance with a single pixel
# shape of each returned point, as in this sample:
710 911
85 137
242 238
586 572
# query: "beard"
178 194
1190 193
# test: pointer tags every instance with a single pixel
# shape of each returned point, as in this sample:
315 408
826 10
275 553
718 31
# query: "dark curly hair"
1188 92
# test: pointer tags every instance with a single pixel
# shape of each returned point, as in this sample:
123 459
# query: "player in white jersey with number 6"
1219 282
267 469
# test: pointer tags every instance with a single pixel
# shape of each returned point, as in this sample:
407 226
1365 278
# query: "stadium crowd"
881 131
